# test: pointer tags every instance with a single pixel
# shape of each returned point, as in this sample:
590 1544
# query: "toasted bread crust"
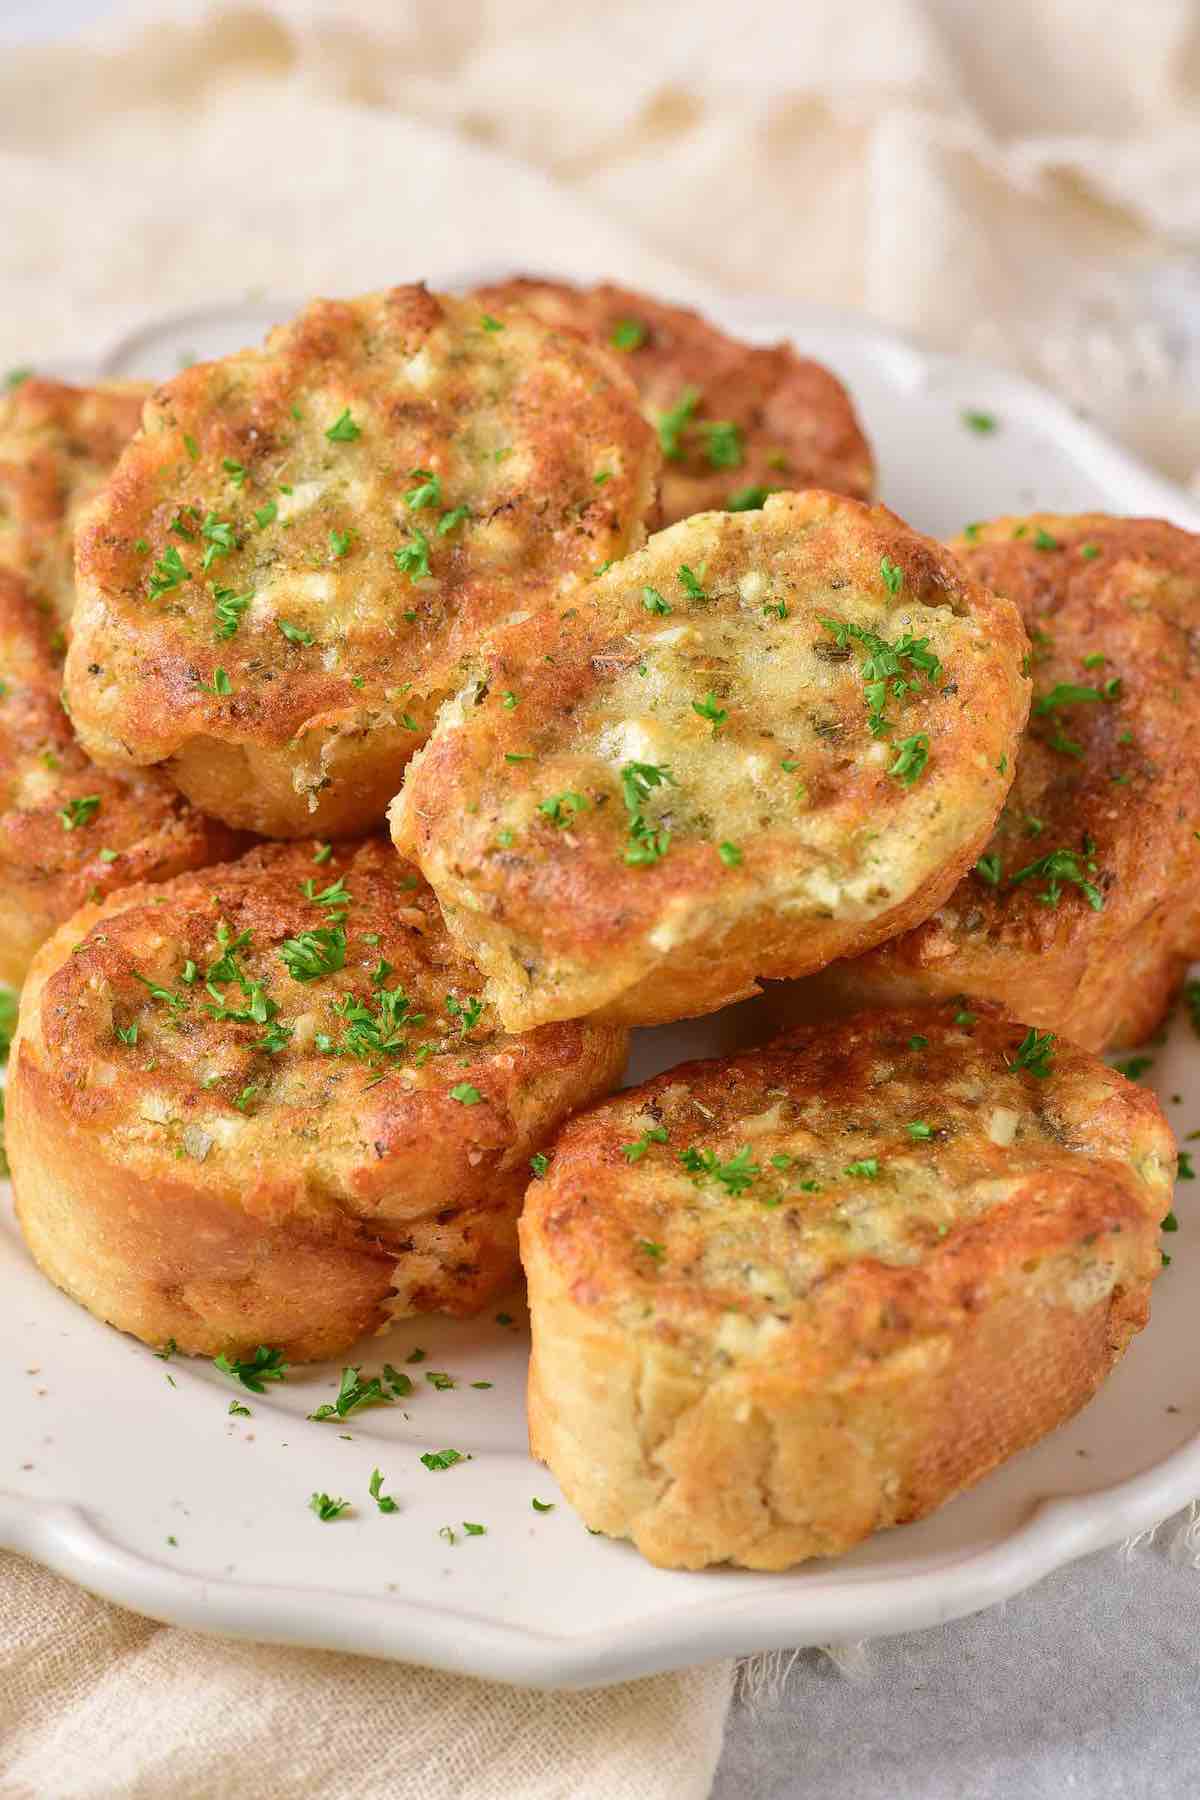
70 832
209 1146
58 444
792 833
242 610
1112 607
730 1365
794 425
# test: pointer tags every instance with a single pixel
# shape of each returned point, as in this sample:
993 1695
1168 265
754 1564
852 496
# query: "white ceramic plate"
128 1474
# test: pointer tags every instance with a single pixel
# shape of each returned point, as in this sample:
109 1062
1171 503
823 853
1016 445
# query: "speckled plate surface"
129 1475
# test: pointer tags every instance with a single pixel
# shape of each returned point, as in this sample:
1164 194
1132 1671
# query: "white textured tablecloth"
1017 179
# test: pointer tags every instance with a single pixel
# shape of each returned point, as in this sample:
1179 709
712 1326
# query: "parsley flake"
749 499
627 334
325 1507
412 559
79 812
444 1459
343 430
1035 1053
383 1501
708 709
353 1394
673 423
265 1365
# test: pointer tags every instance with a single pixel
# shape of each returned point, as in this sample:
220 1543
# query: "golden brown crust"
793 423
784 832
277 488
70 832
1106 788
58 444
770 1318
233 1115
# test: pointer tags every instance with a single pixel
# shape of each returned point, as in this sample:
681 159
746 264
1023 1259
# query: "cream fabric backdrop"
1016 179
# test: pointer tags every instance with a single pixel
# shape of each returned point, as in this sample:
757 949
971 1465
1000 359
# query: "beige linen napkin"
96 1704
1021 180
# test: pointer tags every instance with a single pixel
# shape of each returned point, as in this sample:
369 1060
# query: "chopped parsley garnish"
450 521
690 583
336 894
165 996
428 491
295 634
653 602
735 1175
339 544
412 559
1035 1053
627 334
437 1378
866 1166
892 574
314 953
219 537
466 1012
466 1094
265 1365
1042 540
490 324
918 1129
168 572
918 1043
219 685
400 1383
542 1506
368 1032
266 514
656 1252
561 809
729 854
343 430
325 1507
708 709
8 1021
127 1034
749 499
191 446
1185 1170
235 471
228 607
443 1459
673 423
722 443
1134 1067
657 1134
883 668
353 1394
1060 866
981 422
79 812
912 754
1071 693
988 869
238 1411
383 1501
638 780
